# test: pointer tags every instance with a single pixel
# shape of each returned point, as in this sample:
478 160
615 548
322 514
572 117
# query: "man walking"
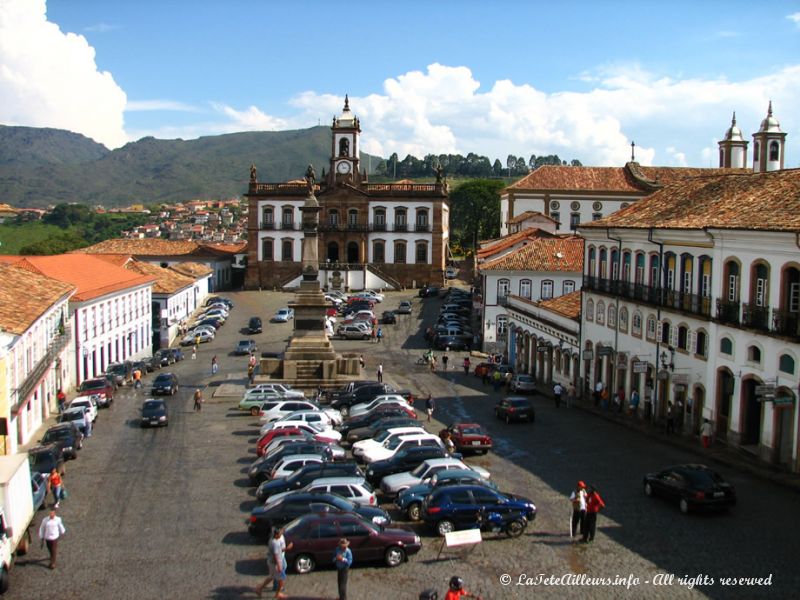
342 558
578 499
444 361
430 406
706 431
56 486
87 421
379 373
594 504
276 564
557 391
137 378
198 400
571 394
51 529
61 398
466 365
380 334
214 365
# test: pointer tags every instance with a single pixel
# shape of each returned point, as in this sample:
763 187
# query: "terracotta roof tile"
142 247
542 254
568 305
761 201
528 214
167 281
192 269
26 296
503 243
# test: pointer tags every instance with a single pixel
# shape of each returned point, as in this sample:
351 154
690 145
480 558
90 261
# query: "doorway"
751 413
784 440
352 253
333 252
725 385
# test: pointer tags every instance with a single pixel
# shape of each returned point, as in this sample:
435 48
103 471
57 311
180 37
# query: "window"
525 288
683 337
614 265
786 364
287 248
422 219
600 313
352 529
268 217
774 151
574 220
760 282
655 277
399 252
701 343
556 216
623 319
686 283
732 281
754 354
344 147
590 310
267 250
333 217
380 219
665 332
626 266
756 151
378 252
592 262
603 263
547 289
324 531
636 324
502 326
352 218
421 252
612 316
651 327
669 283
288 216
400 222
503 286
568 287
726 346
639 276
597 216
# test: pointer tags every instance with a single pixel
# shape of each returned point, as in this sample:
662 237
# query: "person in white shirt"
578 499
51 529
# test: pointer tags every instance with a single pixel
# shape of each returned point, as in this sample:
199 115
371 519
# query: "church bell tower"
733 148
344 147
769 143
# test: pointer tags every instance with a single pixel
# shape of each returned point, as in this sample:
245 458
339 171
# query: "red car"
100 386
265 439
470 437
312 539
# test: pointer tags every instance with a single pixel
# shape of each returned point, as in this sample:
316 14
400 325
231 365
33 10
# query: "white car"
290 464
355 489
214 313
278 409
376 296
334 299
283 315
320 433
87 402
361 446
393 445
190 339
262 394
365 407
202 328
285 390
360 315
391 485
310 416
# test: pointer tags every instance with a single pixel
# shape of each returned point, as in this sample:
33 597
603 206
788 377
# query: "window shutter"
691 342
673 336
659 329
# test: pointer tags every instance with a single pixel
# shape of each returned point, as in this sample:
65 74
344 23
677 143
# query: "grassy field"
14 237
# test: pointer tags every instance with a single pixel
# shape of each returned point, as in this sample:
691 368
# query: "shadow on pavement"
242 538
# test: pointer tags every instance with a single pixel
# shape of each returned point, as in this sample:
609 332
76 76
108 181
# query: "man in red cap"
578 499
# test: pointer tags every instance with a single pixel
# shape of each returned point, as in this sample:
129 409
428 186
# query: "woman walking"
342 558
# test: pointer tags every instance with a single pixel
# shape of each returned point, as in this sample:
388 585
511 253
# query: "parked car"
456 506
355 489
219 299
330 450
201 328
693 487
67 436
77 416
312 539
212 321
428 291
285 390
301 478
88 402
405 460
384 420
262 467
354 331
99 386
144 366
154 414
450 273
470 437
391 485
409 501
165 384
389 317
266 440
298 504
245 347
165 357
39 489
254 325
121 372
283 315
43 459
364 393
452 342
365 407
321 431
274 410
289 464
515 408
253 400
177 354
358 448
313 416
202 336
522 383
393 445
404 308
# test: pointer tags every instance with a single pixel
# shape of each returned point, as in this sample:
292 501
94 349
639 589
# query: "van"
353 332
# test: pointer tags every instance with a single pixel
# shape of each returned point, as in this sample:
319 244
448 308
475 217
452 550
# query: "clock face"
343 167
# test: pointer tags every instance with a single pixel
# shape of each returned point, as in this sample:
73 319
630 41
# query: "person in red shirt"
457 591
594 504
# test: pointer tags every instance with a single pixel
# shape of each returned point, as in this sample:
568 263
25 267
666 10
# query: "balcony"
756 317
358 227
57 344
290 226
378 226
268 225
786 322
682 301
400 227
422 227
728 312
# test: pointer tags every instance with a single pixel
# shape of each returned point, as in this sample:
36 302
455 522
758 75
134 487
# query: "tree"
475 211
511 163
497 168
532 162
521 166
576 163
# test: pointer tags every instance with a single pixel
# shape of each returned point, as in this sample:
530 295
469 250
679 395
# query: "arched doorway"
333 252
696 407
725 384
352 252
783 426
750 413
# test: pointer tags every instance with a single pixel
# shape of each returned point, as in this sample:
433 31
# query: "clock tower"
344 150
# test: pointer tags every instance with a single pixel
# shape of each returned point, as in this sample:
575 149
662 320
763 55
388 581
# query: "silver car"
523 383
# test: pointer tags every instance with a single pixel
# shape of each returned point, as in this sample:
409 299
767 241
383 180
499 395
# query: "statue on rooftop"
253 174
311 178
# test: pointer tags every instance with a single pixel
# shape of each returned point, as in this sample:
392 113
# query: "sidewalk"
719 452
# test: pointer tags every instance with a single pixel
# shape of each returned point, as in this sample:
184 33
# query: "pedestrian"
430 406
578 499
597 393
670 419
705 433
594 504
276 564
380 334
87 423
433 363
137 378
196 341
56 486
571 394
374 334
457 591
679 413
214 365
633 408
61 398
361 361
557 391
342 558
444 361
497 380
604 398
198 400
620 398
251 374
379 373
466 365
51 529
447 440
194 352
507 378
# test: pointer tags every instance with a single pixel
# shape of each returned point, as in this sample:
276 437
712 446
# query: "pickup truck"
16 512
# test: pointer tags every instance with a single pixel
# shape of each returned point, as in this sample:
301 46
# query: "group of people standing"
586 504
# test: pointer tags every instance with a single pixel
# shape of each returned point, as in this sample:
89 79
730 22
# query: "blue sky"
578 79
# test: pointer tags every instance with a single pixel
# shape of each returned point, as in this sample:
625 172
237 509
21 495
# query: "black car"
215 323
457 506
404 460
389 317
515 408
219 300
428 291
121 372
305 475
363 394
386 422
297 504
347 389
262 467
65 435
144 366
254 325
165 384
43 459
177 354
694 487
164 357
453 342
154 414
367 419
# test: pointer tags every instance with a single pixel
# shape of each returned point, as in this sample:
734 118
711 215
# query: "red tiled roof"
26 297
542 254
92 276
142 247
568 305
192 269
760 201
510 240
529 214
167 281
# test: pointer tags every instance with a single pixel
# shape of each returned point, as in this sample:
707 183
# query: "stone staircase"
387 278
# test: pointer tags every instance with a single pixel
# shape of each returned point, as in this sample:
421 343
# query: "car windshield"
392 443
382 436
42 461
475 430
93 384
162 379
72 415
702 480
152 405
117 369
420 470
519 403
525 378
56 434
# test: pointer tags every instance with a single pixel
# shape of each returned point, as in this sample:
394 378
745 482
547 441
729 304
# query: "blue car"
457 506
39 486
410 500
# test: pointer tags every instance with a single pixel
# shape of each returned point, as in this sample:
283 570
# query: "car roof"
74 409
455 473
447 460
58 426
351 479
309 456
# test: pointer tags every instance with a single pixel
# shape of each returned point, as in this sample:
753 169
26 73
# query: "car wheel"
444 526
484 451
648 490
304 564
684 506
515 528
508 420
413 511
394 556
3 580
254 411
365 336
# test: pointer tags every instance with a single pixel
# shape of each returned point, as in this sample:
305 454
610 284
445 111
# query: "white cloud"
795 18
50 79
166 105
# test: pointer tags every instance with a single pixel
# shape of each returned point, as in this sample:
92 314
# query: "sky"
579 79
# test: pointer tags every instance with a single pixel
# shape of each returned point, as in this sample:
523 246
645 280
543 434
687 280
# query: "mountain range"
43 166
